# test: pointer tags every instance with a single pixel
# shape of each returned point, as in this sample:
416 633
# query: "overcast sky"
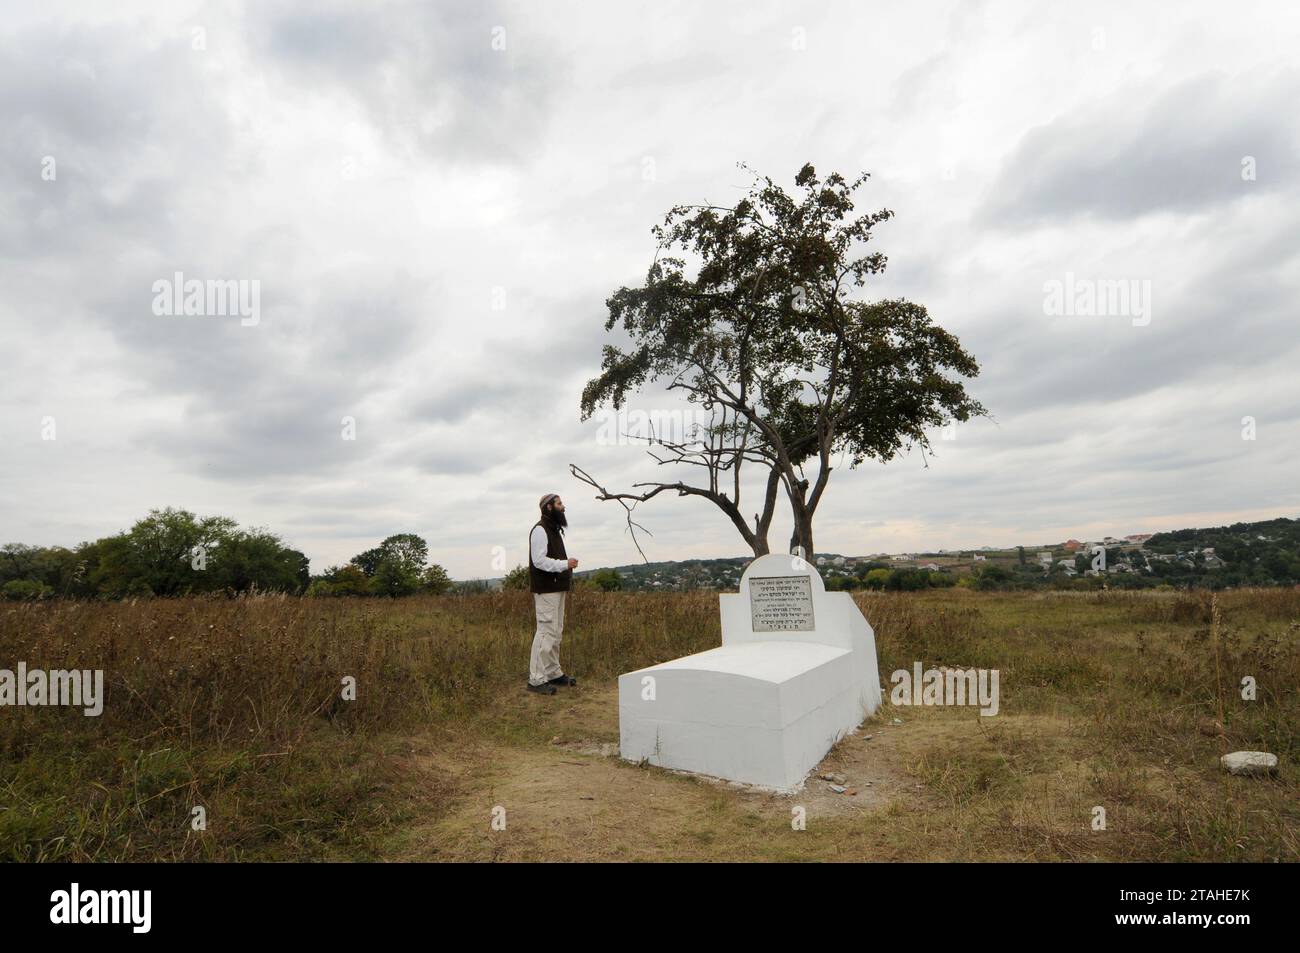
436 199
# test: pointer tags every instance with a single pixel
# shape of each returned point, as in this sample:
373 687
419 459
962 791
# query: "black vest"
539 580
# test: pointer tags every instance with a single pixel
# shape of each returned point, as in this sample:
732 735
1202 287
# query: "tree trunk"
763 521
801 539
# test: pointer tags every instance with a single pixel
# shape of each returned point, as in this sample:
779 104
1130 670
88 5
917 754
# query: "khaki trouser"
544 664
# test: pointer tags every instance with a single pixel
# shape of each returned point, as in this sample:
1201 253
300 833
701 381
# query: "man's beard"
557 519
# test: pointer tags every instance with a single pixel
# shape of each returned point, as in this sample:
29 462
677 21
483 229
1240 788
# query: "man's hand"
573 564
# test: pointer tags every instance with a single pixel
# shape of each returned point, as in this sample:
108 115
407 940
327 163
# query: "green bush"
22 590
516 580
876 579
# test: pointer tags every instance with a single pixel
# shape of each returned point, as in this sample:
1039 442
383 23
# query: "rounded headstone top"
783 564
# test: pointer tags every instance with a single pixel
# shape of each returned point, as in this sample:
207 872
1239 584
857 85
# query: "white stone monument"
796 671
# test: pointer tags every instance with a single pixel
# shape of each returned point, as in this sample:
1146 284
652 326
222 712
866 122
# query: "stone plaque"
781 603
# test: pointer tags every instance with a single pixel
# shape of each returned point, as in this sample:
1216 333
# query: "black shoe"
545 689
566 680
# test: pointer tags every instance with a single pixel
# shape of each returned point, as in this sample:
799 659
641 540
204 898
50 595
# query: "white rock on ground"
1249 762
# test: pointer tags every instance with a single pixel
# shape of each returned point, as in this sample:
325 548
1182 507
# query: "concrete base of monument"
765 714
766 706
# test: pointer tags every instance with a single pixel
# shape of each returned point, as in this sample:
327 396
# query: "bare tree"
720 450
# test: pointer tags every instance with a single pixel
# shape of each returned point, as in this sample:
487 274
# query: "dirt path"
574 799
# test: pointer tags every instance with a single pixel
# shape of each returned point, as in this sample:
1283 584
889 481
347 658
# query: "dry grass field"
1119 700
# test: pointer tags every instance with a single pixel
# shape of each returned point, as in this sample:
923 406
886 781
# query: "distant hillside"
1241 540
1264 553
721 573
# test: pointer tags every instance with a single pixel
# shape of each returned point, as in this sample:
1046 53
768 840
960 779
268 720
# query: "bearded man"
550 577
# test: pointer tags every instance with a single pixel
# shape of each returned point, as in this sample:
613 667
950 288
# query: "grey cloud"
454 401
426 74
682 70
125 122
526 376
454 456
1243 294
1181 151
926 83
270 399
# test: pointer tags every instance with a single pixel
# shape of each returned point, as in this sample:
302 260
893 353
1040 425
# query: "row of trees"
893 580
606 580
399 566
168 553
173 552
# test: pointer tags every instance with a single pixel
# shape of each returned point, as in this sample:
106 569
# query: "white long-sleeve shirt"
537 548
